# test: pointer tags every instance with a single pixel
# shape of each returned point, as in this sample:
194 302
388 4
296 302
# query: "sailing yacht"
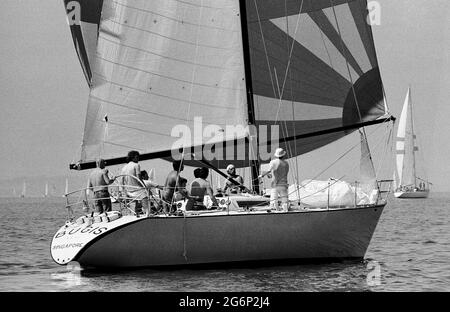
46 190
222 82
407 183
66 188
24 190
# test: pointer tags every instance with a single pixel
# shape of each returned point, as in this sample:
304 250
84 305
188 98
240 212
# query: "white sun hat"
280 152
229 167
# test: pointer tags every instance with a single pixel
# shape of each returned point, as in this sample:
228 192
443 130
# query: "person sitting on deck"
230 186
148 183
172 183
180 191
200 188
150 186
98 183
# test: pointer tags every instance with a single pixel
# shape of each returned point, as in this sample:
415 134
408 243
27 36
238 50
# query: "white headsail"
405 146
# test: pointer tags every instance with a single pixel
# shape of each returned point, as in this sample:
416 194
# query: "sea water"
410 251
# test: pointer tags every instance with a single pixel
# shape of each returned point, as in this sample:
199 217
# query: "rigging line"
284 82
184 143
348 69
292 95
342 156
386 152
336 180
194 72
175 19
290 51
347 64
265 48
338 84
126 146
289 63
300 69
288 146
290 55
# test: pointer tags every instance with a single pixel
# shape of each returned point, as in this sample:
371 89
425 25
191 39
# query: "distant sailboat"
66 190
14 192
46 190
24 190
407 183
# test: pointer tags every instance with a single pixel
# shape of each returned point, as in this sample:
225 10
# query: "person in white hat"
279 168
230 186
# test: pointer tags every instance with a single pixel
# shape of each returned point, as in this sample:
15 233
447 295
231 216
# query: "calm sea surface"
410 251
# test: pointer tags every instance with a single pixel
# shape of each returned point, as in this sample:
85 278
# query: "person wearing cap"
98 183
230 186
279 168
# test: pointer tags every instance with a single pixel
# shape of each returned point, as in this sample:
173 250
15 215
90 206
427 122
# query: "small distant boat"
24 190
46 190
66 190
407 183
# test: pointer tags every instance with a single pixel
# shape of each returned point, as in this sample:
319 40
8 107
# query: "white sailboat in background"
24 190
66 189
153 65
407 183
46 190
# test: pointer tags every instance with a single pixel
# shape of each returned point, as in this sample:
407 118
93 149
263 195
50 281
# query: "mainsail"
163 67
405 146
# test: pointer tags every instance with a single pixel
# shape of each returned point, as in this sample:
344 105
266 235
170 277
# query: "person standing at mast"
279 168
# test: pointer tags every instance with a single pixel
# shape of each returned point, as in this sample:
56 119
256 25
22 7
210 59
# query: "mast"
248 81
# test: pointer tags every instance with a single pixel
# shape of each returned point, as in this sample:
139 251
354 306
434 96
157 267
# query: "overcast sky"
43 93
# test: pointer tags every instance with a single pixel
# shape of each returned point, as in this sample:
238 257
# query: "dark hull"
209 240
